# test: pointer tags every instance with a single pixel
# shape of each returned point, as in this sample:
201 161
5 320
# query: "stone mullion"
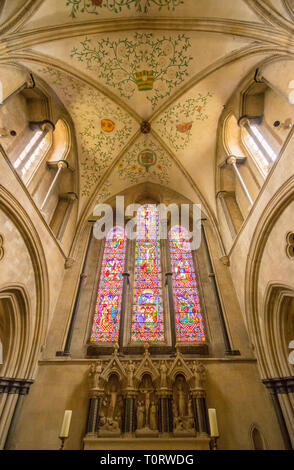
126 276
170 295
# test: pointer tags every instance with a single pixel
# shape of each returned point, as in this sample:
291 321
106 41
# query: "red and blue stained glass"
147 319
189 322
108 304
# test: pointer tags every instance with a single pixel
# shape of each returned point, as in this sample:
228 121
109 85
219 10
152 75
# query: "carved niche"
147 406
183 417
110 418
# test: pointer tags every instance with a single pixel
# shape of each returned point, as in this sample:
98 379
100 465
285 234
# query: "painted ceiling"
117 63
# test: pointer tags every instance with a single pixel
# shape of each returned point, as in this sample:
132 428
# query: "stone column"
61 165
95 402
233 162
71 198
200 411
12 394
165 418
245 121
44 127
281 390
129 412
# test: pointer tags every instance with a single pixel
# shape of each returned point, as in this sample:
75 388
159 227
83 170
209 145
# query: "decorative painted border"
117 6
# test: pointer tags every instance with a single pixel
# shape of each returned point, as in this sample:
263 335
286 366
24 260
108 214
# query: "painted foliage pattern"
103 127
141 63
116 6
189 322
177 122
147 318
145 160
104 192
107 312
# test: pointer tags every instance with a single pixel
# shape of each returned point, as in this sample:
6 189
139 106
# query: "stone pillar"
12 394
43 127
200 411
71 198
129 412
245 121
61 165
96 396
165 418
281 390
233 162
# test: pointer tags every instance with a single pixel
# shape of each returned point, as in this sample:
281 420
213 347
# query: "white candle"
213 422
66 423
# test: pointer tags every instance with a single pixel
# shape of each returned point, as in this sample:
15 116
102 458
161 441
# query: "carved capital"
62 164
231 160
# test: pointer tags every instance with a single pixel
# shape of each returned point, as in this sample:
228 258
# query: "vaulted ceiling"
172 63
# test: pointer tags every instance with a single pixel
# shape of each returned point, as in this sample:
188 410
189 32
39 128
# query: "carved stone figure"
163 372
183 418
112 402
199 373
181 398
153 416
140 415
94 374
130 371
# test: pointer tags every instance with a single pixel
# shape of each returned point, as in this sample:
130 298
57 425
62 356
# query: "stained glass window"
108 304
189 322
147 318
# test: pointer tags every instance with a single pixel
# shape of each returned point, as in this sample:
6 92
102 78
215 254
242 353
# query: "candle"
213 422
66 423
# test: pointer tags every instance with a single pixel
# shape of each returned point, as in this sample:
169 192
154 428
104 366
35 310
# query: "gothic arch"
270 215
279 311
256 438
14 329
15 212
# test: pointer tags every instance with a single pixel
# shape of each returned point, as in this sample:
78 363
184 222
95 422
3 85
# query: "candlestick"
213 422
65 424
214 433
62 442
